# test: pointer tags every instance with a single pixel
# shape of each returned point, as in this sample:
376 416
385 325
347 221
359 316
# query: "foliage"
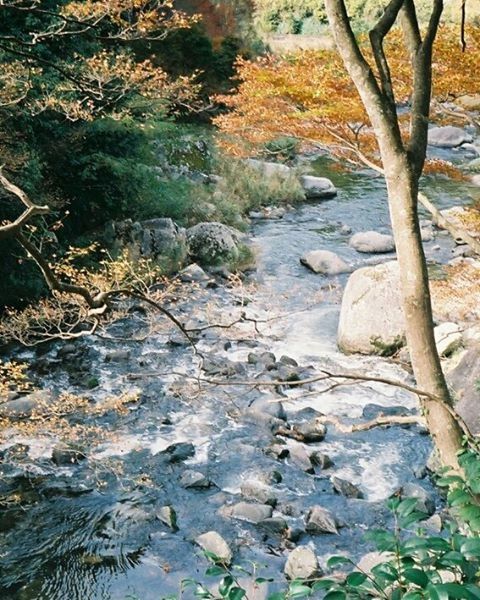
412 565
14 377
382 348
309 96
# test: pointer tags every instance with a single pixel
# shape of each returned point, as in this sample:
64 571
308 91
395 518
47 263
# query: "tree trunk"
402 199
402 170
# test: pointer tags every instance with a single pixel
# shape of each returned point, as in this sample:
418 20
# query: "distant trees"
63 64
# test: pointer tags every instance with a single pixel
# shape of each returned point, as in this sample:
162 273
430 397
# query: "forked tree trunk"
402 168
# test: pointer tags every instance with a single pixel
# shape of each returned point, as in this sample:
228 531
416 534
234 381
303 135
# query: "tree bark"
402 169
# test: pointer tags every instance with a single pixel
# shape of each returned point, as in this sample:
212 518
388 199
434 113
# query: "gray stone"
214 242
317 187
448 338
193 274
269 169
448 136
35 403
180 451
325 262
373 559
300 458
288 360
213 542
320 520
168 517
312 431
426 234
372 242
464 381
255 490
319 459
371 309
118 356
270 408
194 479
155 239
345 488
302 563
65 456
274 525
253 513
425 501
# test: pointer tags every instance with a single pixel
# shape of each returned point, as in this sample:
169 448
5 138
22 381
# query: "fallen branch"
441 221
380 421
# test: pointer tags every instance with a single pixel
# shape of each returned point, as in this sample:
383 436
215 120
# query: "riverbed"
92 529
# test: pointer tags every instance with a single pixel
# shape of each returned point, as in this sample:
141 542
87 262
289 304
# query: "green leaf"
214 571
455 590
324 584
412 596
236 593
212 556
225 585
436 592
471 548
473 590
277 596
356 578
449 480
298 590
416 576
385 572
407 506
264 580
336 595
334 561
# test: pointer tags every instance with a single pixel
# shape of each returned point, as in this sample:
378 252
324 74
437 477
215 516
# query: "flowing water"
90 531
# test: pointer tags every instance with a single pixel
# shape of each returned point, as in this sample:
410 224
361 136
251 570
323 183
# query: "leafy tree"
66 64
312 98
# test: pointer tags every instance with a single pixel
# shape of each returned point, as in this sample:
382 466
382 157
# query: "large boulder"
469 101
464 380
448 136
316 188
371 309
156 239
269 169
372 242
212 243
324 262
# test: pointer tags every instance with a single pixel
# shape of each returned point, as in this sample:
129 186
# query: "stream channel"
90 531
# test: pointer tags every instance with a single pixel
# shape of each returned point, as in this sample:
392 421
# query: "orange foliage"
310 96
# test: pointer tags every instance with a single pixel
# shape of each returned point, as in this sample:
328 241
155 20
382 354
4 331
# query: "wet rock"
373 559
321 460
426 234
14 453
255 490
154 239
420 472
168 517
448 338
274 525
262 406
253 513
317 188
469 101
433 523
193 274
320 520
372 411
463 251
214 242
65 455
278 451
302 563
217 365
448 136
299 457
325 262
118 356
345 230
288 360
311 432
194 479
372 242
180 451
36 403
213 542
67 350
263 359
464 381
425 501
345 488
371 309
